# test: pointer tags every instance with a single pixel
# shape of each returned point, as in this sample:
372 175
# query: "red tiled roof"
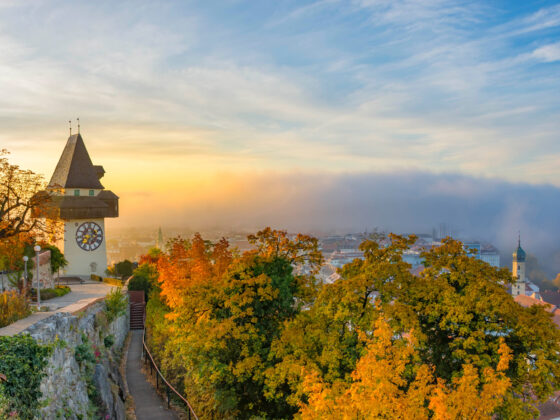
527 301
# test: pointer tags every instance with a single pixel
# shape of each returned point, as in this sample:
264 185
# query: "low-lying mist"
473 208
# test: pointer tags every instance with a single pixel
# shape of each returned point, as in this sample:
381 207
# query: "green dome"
519 255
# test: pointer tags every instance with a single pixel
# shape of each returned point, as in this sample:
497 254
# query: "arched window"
93 267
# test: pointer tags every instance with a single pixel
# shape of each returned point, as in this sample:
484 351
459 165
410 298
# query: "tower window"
91 193
76 193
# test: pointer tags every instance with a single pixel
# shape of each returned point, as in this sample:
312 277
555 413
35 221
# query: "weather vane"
70 124
78 125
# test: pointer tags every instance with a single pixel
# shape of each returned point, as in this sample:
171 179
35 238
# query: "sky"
203 112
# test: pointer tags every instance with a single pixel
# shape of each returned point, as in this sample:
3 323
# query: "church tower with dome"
518 270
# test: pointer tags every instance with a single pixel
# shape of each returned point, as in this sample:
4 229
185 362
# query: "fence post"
168 398
157 380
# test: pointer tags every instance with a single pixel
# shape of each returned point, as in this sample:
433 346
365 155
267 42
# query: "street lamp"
37 249
25 259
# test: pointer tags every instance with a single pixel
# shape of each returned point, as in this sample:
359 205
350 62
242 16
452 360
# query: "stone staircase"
137 309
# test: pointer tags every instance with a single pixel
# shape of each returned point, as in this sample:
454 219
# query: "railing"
159 377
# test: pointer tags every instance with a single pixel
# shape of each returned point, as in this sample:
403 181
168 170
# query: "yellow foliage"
390 383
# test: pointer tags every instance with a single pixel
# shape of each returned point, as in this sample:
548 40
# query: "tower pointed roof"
519 255
75 169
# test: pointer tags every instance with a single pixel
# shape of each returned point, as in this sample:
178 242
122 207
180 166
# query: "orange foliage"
189 264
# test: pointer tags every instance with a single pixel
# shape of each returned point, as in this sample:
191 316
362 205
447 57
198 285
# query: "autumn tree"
458 309
256 336
151 257
461 309
21 201
325 338
223 313
391 381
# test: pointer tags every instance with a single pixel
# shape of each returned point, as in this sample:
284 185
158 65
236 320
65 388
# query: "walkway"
148 405
81 296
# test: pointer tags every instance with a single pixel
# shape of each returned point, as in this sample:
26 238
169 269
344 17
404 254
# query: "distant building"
473 249
486 253
490 256
518 270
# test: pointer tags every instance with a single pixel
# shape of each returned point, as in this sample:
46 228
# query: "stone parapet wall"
65 386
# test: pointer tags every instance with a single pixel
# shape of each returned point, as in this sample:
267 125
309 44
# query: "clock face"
89 236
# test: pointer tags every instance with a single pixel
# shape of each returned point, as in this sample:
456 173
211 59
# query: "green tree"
58 260
325 338
144 278
122 269
222 318
460 311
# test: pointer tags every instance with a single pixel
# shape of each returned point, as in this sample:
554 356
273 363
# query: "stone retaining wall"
65 387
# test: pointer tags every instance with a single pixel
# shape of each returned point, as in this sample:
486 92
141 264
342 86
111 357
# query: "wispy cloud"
440 85
548 53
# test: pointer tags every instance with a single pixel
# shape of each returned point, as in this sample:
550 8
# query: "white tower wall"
518 269
81 262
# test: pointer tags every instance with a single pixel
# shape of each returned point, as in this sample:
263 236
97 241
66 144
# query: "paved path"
80 296
149 406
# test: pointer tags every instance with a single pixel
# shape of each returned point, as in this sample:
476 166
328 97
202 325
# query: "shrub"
112 281
140 282
96 277
13 306
47 294
22 361
121 269
84 352
109 340
116 304
5 407
144 278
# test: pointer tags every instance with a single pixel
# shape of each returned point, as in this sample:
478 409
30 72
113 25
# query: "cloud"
177 90
548 53
544 18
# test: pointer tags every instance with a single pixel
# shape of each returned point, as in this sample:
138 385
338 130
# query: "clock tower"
82 203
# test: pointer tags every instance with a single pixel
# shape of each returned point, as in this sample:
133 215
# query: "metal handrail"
159 374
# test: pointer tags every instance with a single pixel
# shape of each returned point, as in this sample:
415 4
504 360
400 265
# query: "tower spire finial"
78 124
70 125
518 238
